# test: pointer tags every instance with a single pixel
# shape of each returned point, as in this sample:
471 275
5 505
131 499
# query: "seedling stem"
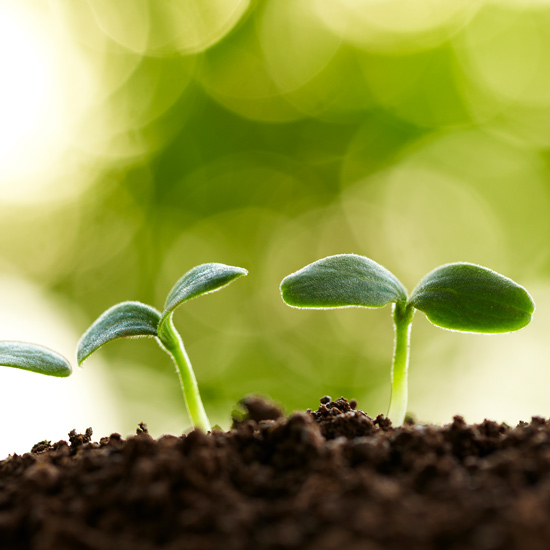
402 316
172 342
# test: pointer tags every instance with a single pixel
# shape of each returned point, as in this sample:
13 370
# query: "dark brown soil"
323 480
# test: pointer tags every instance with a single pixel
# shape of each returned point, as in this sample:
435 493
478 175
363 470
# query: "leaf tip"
201 279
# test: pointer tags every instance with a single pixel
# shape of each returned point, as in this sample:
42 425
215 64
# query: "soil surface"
320 480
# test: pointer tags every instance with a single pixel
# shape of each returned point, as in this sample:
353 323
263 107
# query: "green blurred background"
139 139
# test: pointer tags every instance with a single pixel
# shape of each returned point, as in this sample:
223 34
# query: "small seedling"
459 296
34 358
131 319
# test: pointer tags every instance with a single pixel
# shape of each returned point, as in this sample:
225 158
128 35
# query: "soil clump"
328 479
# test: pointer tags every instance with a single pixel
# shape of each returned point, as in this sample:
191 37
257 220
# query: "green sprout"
34 358
134 319
458 296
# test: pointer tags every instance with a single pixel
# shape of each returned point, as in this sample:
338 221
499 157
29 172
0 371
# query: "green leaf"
128 319
33 357
472 298
200 280
343 280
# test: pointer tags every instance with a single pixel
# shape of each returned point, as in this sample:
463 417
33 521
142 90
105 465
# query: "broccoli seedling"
458 296
34 358
134 319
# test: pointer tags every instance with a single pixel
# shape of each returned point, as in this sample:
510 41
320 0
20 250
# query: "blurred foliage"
268 134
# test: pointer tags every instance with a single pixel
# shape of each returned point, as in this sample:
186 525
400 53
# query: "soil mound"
328 479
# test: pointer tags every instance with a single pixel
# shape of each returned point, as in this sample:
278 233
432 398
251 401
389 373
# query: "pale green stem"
402 316
172 342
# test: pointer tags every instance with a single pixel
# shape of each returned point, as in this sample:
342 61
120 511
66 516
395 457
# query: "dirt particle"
41 447
77 440
142 429
256 410
383 422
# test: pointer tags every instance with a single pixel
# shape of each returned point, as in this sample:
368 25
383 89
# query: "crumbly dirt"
328 479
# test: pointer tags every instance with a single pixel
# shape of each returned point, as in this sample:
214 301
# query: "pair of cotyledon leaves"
134 319
458 296
126 319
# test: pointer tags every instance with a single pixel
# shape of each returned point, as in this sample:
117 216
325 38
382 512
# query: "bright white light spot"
26 85
41 95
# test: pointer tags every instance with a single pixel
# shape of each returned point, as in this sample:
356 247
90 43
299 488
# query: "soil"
328 479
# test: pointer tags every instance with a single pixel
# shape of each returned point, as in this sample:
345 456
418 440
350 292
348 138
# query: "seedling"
459 296
34 358
131 319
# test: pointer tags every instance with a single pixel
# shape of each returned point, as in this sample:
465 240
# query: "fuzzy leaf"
471 298
200 280
341 281
33 357
127 319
